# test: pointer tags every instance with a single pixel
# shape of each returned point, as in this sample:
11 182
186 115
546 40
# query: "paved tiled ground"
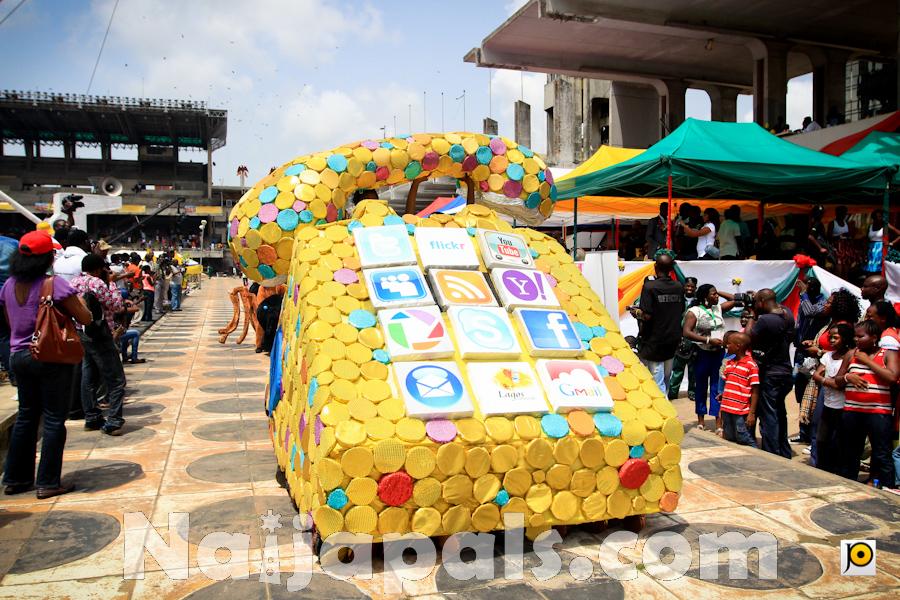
197 442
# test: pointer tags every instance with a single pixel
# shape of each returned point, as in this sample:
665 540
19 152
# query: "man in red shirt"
741 391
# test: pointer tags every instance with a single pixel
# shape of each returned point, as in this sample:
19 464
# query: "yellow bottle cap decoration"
592 453
478 462
517 481
379 428
451 458
486 517
426 491
362 490
503 458
485 488
357 462
456 519
426 521
389 455
583 482
457 489
360 519
500 429
393 520
420 462
616 453
539 497
559 477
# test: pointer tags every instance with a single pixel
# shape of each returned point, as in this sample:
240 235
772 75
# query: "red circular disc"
395 488
634 473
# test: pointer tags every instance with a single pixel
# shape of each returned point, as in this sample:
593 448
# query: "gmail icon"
433 389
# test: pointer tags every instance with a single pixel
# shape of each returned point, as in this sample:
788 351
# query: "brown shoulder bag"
55 339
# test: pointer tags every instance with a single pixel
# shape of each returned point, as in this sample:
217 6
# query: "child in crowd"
828 438
741 391
868 374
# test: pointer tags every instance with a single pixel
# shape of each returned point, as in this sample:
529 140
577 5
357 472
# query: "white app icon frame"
446 248
384 246
484 332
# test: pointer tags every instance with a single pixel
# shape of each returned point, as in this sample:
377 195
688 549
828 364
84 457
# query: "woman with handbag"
44 349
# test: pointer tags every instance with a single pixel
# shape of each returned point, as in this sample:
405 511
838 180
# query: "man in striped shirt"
741 391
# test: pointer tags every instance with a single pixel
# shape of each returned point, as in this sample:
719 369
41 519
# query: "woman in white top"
828 450
706 235
705 325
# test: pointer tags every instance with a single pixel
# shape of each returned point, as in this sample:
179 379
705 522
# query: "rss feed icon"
433 374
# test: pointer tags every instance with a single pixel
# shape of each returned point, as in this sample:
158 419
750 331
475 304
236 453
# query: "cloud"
511 6
509 86
256 62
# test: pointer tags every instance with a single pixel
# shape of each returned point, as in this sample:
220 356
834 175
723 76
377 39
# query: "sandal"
701 427
720 432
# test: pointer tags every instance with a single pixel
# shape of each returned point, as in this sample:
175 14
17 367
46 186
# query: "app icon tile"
396 287
504 250
446 248
415 333
433 389
572 384
483 332
523 287
384 246
466 288
506 388
548 332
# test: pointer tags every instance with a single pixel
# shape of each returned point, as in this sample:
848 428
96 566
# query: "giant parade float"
435 375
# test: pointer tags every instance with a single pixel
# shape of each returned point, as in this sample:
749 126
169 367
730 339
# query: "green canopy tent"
880 148
711 159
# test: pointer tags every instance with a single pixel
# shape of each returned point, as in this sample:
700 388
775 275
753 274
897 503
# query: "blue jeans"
735 429
896 457
855 426
814 427
43 391
175 293
771 413
129 337
661 371
101 360
706 375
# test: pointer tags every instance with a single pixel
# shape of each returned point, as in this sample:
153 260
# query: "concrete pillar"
489 126
523 123
105 151
564 124
769 82
829 83
69 150
672 109
633 115
723 103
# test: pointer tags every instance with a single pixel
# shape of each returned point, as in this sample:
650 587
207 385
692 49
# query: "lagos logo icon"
506 388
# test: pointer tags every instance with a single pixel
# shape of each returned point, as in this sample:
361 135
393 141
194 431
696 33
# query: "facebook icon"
549 332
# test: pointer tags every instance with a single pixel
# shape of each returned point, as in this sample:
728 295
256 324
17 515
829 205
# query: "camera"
71 203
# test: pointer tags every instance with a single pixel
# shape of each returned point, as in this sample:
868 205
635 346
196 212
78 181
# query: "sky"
296 76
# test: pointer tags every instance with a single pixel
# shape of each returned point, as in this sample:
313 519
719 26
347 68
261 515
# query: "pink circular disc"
512 189
497 146
441 431
346 276
485 187
551 280
548 176
430 160
234 227
299 205
369 144
612 364
268 213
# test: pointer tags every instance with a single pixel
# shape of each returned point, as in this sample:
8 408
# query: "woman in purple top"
43 387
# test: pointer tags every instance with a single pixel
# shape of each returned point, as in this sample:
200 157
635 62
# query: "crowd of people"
844 368
86 380
840 246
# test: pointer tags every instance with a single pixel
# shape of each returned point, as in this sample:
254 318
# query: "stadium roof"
95 120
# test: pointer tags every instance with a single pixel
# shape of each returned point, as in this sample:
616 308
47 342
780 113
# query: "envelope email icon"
434 385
